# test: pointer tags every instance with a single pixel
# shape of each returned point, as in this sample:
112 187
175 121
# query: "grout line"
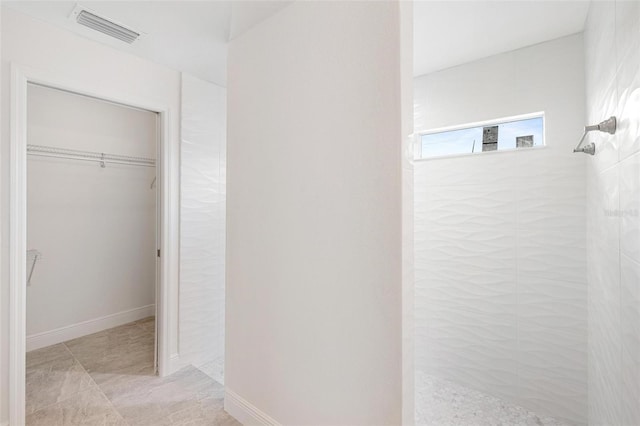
73 395
92 382
57 401
97 386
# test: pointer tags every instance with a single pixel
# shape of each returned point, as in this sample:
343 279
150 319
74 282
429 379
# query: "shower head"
608 126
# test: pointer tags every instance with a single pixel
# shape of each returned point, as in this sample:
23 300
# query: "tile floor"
107 378
443 403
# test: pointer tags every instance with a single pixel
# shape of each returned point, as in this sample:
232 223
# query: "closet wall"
94 226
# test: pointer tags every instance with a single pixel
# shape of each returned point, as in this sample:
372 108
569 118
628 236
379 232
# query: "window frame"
417 146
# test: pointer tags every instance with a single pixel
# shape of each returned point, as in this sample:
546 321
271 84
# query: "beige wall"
314 268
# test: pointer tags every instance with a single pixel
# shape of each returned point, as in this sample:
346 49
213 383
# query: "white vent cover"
90 19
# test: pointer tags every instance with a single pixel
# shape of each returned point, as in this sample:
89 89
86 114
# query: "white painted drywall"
408 284
314 267
202 224
94 226
501 297
28 42
477 29
612 48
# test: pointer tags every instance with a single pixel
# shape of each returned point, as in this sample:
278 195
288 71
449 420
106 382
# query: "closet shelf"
100 157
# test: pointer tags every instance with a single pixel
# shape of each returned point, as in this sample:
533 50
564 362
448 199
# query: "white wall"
202 225
314 268
408 285
501 300
612 46
28 42
95 227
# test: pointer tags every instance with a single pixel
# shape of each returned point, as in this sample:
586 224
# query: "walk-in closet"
91 223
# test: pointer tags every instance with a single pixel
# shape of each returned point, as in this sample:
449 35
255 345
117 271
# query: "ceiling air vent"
105 26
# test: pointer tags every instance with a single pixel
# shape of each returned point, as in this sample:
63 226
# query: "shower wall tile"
628 132
468 270
449 171
627 29
604 207
544 236
552 341
604 297
202 225
605 370
607 146
600 52
472 329
600 67
613 220
553 163
630 322
476 228
630 207
500 244
500 283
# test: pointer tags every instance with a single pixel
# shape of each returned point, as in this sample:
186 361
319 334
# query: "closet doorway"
91 216
89 209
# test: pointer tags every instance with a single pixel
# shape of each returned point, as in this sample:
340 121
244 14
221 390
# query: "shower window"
499 135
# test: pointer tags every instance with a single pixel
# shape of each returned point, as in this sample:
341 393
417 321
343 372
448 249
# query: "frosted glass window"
509 134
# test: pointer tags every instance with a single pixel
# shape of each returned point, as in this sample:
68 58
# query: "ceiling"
450 33
192 36
189 36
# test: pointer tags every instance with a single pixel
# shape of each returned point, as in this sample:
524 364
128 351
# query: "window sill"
482 154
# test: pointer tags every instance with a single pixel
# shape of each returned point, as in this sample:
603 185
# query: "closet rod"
100 157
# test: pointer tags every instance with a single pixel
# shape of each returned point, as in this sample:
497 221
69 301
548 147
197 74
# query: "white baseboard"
73 331
245 412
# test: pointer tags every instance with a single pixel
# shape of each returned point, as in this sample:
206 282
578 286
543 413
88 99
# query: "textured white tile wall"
612 46
500 246
202 225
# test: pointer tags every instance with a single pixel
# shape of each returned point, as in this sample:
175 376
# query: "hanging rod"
100 157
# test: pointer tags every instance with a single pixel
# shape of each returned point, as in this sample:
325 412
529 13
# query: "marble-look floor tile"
53 375
47 354
119 386
127 349
148 324
186 397
213 369
87 408
205 412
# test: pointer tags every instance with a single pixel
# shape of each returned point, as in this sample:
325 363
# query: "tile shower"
527 263
612 58
501 294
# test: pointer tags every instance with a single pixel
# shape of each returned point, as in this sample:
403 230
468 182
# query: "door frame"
167 226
